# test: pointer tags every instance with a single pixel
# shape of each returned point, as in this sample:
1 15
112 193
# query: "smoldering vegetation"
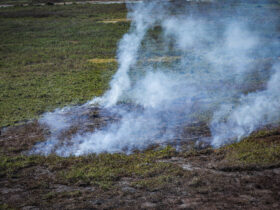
224 78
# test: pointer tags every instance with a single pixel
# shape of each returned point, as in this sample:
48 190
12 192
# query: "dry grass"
102 60
165 59
115 20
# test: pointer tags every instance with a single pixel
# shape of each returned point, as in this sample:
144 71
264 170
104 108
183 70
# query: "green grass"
105 169
160 182
32 2
9 166
44 56
261 149
102 170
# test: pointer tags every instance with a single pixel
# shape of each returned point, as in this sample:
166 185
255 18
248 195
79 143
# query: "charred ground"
241 175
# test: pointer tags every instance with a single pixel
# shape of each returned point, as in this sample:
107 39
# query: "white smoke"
254 111
219 72
142 20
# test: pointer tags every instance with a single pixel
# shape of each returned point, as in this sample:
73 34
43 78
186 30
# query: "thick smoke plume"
179 65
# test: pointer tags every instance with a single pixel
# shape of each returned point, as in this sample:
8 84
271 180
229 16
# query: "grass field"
54 56
45 52
38 2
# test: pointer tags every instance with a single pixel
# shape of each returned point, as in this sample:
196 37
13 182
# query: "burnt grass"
240 175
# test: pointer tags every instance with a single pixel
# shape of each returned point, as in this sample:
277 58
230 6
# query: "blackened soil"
206 183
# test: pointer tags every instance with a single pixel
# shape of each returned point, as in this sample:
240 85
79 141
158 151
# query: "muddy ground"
194 178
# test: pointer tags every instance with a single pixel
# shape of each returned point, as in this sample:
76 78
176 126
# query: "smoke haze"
181 64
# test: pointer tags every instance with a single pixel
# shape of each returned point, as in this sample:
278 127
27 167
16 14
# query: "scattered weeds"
196 182
9 166
161 182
